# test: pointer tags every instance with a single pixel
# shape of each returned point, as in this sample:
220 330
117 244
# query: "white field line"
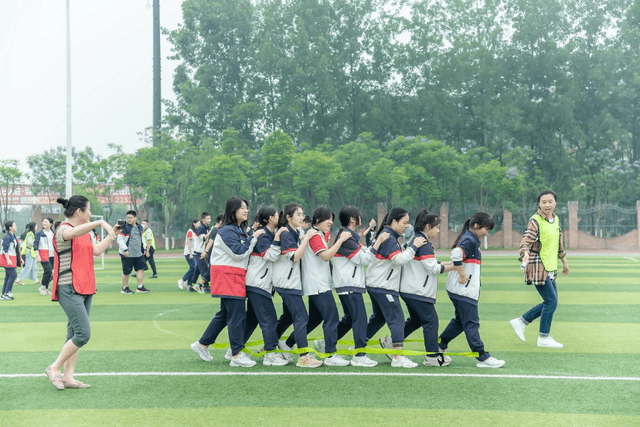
330 374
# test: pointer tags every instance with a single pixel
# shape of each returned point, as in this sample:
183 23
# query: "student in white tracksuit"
463 287
419 286
316 284
383 283
288 284
260 309
349 284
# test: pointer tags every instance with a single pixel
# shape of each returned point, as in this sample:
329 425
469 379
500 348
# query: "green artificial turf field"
143 372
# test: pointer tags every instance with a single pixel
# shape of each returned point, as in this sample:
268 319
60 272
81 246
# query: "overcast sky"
111 73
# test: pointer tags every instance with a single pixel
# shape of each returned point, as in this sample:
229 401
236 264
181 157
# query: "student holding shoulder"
349 283
287 281
419 286
463 287
229 259
383 284
260 309
316 284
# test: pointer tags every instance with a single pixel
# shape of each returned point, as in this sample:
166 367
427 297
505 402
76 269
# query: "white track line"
329 374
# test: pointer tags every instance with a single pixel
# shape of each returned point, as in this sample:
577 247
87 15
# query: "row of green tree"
175 180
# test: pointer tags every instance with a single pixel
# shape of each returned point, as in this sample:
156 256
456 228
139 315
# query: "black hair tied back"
63 202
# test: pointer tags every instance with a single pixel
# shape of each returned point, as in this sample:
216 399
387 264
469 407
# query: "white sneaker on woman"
274 359
363 361
241 360
491 362
518 327
548 342
403 362
336 360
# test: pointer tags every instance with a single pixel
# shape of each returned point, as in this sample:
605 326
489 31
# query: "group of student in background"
277 255
32 248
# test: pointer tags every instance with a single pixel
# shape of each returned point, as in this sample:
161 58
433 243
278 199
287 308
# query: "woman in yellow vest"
30 269
540 248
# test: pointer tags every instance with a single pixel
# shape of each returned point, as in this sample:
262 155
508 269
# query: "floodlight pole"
68 188
157 99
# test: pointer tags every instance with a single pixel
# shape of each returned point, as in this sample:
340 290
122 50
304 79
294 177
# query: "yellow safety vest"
549 236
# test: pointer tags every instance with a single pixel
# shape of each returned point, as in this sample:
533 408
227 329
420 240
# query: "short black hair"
219 218
545 192
307 219
132 212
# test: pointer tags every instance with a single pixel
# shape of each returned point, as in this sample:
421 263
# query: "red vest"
82 275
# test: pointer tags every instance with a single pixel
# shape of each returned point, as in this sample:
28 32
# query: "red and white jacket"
229 260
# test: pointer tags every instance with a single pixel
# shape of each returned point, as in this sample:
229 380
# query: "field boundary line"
337 374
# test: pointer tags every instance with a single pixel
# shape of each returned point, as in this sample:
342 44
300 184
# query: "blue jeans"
544 310
30 269
192 266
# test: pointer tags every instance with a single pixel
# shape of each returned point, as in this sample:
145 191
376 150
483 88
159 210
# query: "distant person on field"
202 266
132 249
44 254
540 248
188 255
30 269
151 247
10 259
74 283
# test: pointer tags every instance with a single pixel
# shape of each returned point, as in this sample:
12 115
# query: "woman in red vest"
74 283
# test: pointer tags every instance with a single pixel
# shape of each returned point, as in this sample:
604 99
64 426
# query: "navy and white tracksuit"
418 289
464 296
287 282
383 284
9 247
229 261
316 284
260 309
349 284
197 246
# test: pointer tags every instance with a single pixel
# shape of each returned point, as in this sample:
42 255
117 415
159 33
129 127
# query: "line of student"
253 265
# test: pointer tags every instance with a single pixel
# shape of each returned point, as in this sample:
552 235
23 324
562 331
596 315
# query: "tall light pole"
68 188
157 99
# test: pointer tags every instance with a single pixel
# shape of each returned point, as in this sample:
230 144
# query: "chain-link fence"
607 220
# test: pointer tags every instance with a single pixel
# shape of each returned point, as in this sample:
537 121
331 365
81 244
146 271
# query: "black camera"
121 224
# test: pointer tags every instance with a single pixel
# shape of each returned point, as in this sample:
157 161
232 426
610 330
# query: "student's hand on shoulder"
280 231
310 233
258 233
419 242
344 236
383 237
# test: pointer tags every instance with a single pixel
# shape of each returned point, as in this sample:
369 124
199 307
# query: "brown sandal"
56 380
75 384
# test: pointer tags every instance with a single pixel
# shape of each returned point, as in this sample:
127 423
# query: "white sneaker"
308 361
549 342
274 359
203 352
385 342
491 362
181 284
199 288
403 362
43 290
363 361
336 360
241 360
440 360
282 345
319 345
518 327
228 354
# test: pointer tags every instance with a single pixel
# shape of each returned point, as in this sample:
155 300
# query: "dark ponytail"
424 218
288 210
264 213
396 214
481 218
73 204
7 225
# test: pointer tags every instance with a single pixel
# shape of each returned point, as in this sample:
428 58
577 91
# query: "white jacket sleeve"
273 253
122 244
404 257
363 257
431 265
234 256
